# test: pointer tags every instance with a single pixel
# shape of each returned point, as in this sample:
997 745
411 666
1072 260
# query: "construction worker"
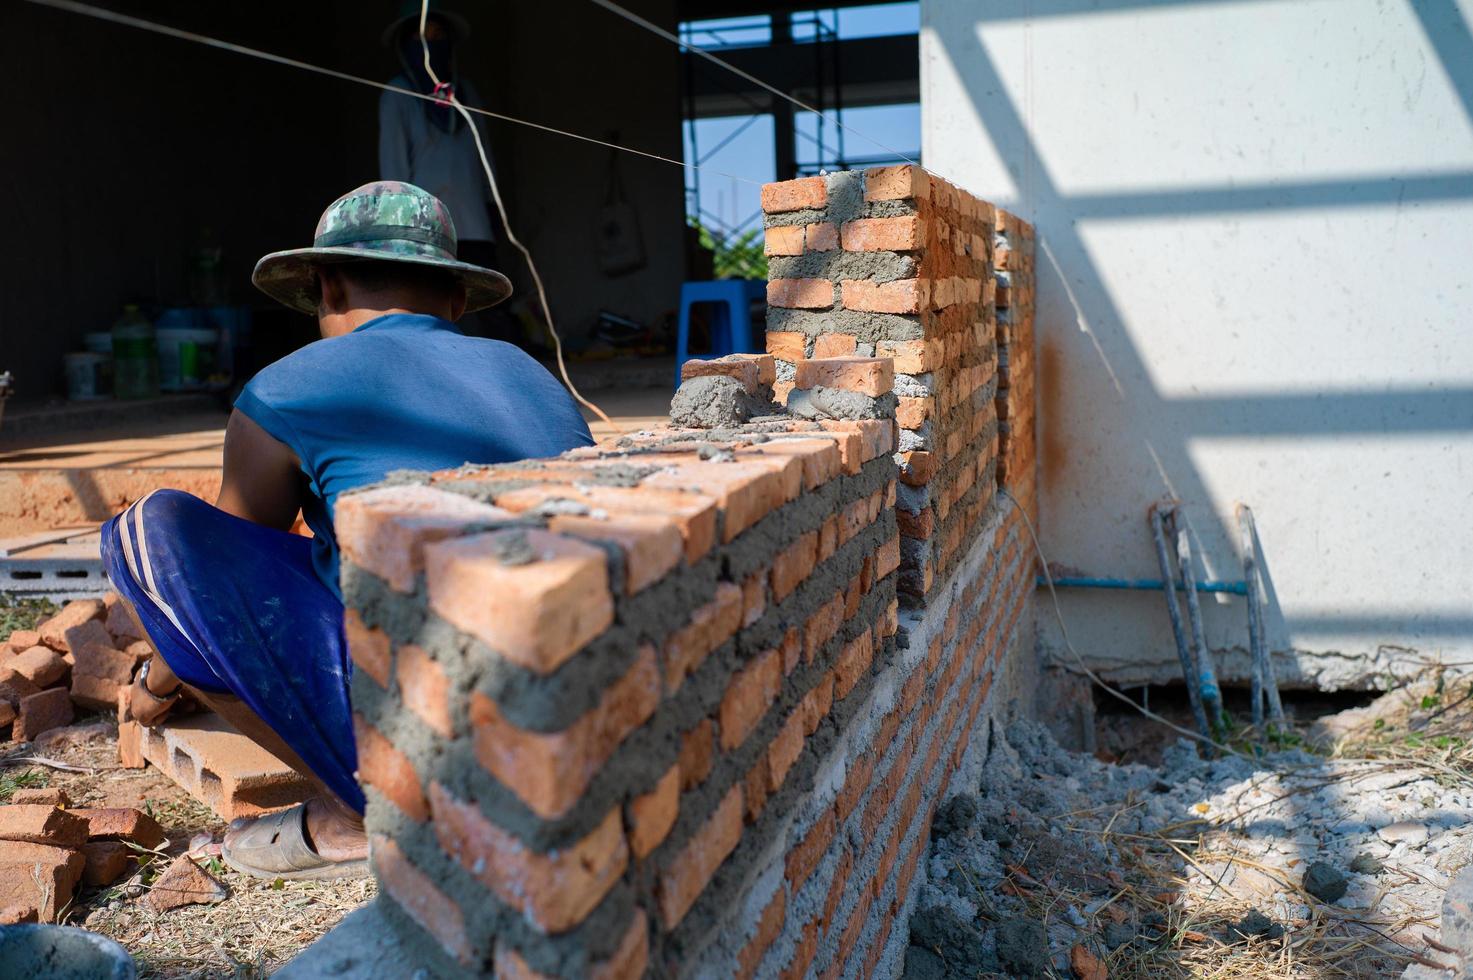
429 144
244 615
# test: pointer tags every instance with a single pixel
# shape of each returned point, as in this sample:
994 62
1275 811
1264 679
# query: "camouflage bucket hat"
386 221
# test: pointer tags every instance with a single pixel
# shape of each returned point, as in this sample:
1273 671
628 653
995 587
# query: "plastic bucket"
186 357
87 376
46 952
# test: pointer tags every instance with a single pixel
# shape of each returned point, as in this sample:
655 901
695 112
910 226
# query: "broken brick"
42 712
41 823
122 823
53 631
107 861
184 883
44 796
38 876
23 640
121 624
103 660
84 634
41 666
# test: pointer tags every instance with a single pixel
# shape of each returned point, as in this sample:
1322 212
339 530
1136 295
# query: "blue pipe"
1150 584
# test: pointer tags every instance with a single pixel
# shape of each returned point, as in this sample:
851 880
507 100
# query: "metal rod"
1188 668
1143 584
1254 635
1206 671
1263 665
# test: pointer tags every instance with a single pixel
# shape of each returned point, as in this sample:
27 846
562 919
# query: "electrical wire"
656 29
1084 668
98 13
557 340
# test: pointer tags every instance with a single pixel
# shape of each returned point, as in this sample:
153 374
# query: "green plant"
22 614
739 256
29 779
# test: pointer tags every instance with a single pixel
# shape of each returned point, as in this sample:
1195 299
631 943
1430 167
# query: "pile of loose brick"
86 654
47 850
656 707
897 263
86 657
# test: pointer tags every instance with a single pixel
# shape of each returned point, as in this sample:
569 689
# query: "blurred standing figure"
431 146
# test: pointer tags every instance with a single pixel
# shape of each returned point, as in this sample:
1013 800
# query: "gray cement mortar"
819 402
716 401
868 328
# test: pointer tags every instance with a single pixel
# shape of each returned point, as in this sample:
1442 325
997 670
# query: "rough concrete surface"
1039 834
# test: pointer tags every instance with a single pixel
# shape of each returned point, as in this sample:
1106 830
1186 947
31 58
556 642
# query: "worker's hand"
154 693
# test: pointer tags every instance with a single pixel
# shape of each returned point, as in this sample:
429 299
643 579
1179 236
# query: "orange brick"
912 413
769 926
534 613
754 792
785 345
887 559
800 294
786 748
853 664
834 345
748 696
414 892
425 689
385 530
794 195
822 236
816 703
682 883
652 544
554 890
900 296
694 514
652 814
917 468
628 962
41 823
803 955
744 370
818 457
746 489
793 564
837 886
804 857
697 751
873 376
36 880
550 770
710 626
828 538
896 183
821 627
919 526
766 366
754 597
899 234
913 357
783 240
388 770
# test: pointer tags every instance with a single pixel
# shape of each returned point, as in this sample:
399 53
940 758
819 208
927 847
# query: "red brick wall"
656 707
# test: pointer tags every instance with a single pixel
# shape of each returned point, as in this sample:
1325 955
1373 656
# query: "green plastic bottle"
135 356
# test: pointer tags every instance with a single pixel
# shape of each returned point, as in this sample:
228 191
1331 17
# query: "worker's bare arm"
262 480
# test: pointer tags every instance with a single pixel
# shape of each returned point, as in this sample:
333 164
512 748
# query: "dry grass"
259 927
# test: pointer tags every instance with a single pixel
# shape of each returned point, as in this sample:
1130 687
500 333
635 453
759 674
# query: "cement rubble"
1380 840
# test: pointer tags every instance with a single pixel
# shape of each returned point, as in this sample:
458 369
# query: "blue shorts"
236 608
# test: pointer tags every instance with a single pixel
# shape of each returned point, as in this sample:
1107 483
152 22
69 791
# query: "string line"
98 13
557 340
656 29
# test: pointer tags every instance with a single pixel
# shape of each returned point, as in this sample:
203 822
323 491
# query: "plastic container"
86 376
135 356
186 357
98 342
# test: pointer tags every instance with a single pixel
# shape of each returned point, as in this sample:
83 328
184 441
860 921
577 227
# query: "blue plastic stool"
731 327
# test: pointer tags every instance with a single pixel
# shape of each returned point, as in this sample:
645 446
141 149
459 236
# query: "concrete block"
222 768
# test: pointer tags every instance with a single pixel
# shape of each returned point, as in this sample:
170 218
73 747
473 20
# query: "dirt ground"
260 926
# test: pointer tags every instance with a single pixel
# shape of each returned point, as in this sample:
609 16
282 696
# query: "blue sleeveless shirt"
405 391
